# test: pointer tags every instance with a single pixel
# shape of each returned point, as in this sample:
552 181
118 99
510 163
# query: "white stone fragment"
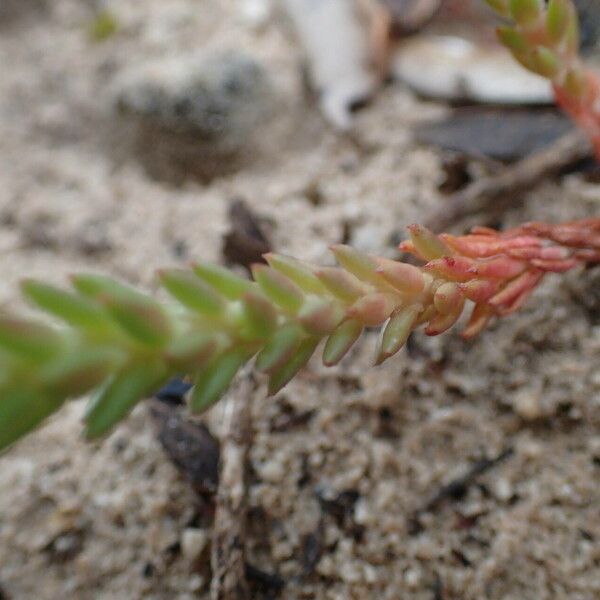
454 68
337 51
193 542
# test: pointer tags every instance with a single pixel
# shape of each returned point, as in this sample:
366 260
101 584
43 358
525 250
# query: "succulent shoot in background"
124 344
544 38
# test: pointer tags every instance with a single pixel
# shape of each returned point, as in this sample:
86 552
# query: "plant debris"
246 241
457 488
189 445
499 134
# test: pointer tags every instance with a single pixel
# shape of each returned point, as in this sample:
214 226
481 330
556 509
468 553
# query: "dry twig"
502 190
228 543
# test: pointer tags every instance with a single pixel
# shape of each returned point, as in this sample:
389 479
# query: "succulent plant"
124 344
544 38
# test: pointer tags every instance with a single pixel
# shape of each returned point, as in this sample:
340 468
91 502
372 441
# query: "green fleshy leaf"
79 371
223 280
341 284
142 319
121 394
403 277
214 380
28 339
71 308
544 62
576 83
373 309
440 323
558 16
288 371
427 244
191 350
278 288
279 347
93 285
573 36
500 6
138 315
320 316
447 297
300 273
525 12
22 410
192 292
340 341
359 264
397 331
258 316
513 40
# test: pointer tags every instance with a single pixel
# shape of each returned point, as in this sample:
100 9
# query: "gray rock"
201 111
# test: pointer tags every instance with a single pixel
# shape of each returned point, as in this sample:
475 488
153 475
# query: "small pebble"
196 583
272 471
527 404
193 542
503 489
412 577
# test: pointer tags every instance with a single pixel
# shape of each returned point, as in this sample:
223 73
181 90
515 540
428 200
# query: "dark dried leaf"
269 585
456 489
65 546
338 505
500 134
246 241
189 446
312 550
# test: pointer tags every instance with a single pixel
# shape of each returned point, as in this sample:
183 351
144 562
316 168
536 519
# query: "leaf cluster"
123 344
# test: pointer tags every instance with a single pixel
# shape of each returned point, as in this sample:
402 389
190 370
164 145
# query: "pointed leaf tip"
397 331
223 280
279 348
402 276
340 341
142 319
73 309
320 316
121 394
342 284
284 374
300 273
79 371
357 263
214 380
427 245
28 339
278 287
373 309
448 298
192 292
258 316
526 12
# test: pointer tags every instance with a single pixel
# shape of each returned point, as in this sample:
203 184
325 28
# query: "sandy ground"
108 520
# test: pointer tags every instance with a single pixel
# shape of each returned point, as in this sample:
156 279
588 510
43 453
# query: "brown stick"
501 190
229 533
